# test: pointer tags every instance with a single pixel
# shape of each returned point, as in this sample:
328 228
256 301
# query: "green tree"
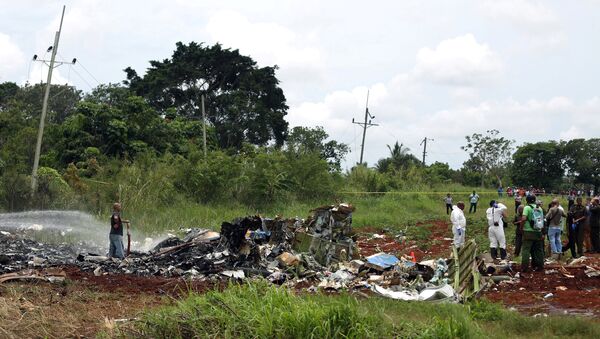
243 101
489 153
440 171
8 90
399 158
538 164
307 140
582 160
61 103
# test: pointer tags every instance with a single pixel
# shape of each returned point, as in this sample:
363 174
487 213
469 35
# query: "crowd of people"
534 225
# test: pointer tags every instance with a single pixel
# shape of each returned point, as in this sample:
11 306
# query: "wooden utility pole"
365 125
424 143
38 145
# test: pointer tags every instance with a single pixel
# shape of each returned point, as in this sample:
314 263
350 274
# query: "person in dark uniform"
595 224
518 230
116 233
577 215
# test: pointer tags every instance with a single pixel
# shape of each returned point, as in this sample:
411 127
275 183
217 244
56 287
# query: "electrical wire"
88 72
28 72
80 77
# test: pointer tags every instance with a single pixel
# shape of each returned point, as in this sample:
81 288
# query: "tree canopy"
488 153
243 102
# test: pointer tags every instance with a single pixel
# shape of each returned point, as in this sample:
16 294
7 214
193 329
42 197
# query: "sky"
436 69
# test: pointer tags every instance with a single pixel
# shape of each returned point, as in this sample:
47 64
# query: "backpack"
537 221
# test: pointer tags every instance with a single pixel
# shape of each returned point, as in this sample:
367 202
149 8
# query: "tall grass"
258 310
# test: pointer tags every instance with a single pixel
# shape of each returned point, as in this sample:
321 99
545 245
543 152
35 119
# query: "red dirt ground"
582 295
437 247
130 283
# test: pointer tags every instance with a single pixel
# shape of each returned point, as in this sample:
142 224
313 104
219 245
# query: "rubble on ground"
317 253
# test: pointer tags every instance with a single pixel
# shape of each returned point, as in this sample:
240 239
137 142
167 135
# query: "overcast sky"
436 69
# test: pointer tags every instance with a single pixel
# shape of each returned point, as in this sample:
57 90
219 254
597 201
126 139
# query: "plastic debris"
382 261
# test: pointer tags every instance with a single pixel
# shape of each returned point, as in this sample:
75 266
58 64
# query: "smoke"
70 227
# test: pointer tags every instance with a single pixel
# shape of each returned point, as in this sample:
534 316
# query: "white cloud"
572 133
269 43
522 120
11 58
532 14
541 25
460 61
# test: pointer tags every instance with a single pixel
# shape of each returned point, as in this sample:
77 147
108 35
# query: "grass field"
260 310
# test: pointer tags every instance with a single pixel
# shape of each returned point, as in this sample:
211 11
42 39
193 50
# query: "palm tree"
399 158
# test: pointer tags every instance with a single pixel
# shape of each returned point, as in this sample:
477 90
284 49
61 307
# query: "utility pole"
424 143
203 124
38 145
365 125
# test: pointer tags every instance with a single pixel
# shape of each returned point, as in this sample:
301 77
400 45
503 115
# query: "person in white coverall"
495 215
459 224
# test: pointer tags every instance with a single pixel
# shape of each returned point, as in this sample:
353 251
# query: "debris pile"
317 253
17 253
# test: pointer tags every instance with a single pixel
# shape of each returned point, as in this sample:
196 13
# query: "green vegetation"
260 310
141 143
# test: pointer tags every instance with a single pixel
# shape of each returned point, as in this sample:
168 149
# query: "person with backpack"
473 198
495 216
554 219
577 215
532 224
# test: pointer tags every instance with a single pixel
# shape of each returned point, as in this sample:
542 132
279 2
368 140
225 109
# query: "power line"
88 72
83 79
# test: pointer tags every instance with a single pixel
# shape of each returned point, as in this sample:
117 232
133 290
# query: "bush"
52 190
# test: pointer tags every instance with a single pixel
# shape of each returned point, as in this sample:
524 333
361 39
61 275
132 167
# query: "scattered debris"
52 275
319 252
591 272
381 261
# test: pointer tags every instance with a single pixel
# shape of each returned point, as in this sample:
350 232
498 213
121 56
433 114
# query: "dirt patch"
72 309
132 284
581 296
373 240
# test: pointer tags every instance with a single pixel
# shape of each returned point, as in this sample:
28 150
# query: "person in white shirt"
459 224
495 215
474 199
448 201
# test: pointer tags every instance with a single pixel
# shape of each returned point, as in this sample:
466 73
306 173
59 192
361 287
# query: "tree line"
151 126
